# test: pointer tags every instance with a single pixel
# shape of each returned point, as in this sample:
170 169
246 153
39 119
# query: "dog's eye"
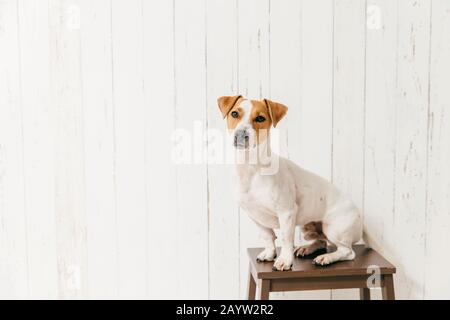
235 114
260 119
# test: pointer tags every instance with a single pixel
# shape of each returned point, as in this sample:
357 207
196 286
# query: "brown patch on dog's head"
260 120
235 114
226 103
276 110
258 115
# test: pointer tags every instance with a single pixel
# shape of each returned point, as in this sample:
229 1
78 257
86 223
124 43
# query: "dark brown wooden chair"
307 276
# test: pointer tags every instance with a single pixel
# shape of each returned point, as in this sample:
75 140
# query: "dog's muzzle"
241 139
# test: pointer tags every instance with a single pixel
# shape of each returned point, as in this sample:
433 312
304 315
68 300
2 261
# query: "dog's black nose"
241 138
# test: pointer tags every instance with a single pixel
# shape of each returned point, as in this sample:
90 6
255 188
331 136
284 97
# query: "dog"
288 197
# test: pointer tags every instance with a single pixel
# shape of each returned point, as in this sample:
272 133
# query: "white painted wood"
285 63
285 58
129 124
381 67
411 146
159 90
66 88
13 237
91 92
254 82
349 101
310 140
436 282
310 124
288 78
99 148
39 132
254 48
223 213
190 114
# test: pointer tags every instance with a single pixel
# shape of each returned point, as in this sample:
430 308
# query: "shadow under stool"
358 273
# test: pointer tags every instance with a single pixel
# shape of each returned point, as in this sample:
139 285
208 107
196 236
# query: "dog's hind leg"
343 243
311 231
342 238
342 227
308 249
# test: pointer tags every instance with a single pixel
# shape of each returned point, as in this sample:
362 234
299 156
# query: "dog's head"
250 120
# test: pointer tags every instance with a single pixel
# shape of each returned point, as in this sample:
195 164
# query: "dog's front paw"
323 259
266 255
283 263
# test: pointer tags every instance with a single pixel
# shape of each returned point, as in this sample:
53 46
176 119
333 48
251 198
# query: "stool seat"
304 275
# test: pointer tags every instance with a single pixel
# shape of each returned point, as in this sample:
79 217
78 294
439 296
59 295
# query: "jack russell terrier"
290 196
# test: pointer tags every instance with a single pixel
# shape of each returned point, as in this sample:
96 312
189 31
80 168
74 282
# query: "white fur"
293 196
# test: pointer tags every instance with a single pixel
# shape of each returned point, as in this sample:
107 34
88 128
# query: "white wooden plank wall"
410 177
191 196
99 148
379 151
159 99
91 204
13 237
66 101
348 102
39 132
254 81
438 201
223 211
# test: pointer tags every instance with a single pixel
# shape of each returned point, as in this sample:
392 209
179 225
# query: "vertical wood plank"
286 83
411 145
99 142
222 68
13 245
265 290
251 285
66 87
310 122
285 64
381 67
438 214
190 109
349 101
254 48
129 112
388 291
254 83
313 136
159 123
39 133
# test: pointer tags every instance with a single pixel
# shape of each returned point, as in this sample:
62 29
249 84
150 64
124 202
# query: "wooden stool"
306 276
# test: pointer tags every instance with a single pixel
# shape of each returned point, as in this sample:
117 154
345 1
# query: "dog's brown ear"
226 103
276 111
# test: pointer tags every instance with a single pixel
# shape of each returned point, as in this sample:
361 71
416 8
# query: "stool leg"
364 293
265 290
251 286
388 289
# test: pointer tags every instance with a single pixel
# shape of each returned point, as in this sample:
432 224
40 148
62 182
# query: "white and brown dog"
290 196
